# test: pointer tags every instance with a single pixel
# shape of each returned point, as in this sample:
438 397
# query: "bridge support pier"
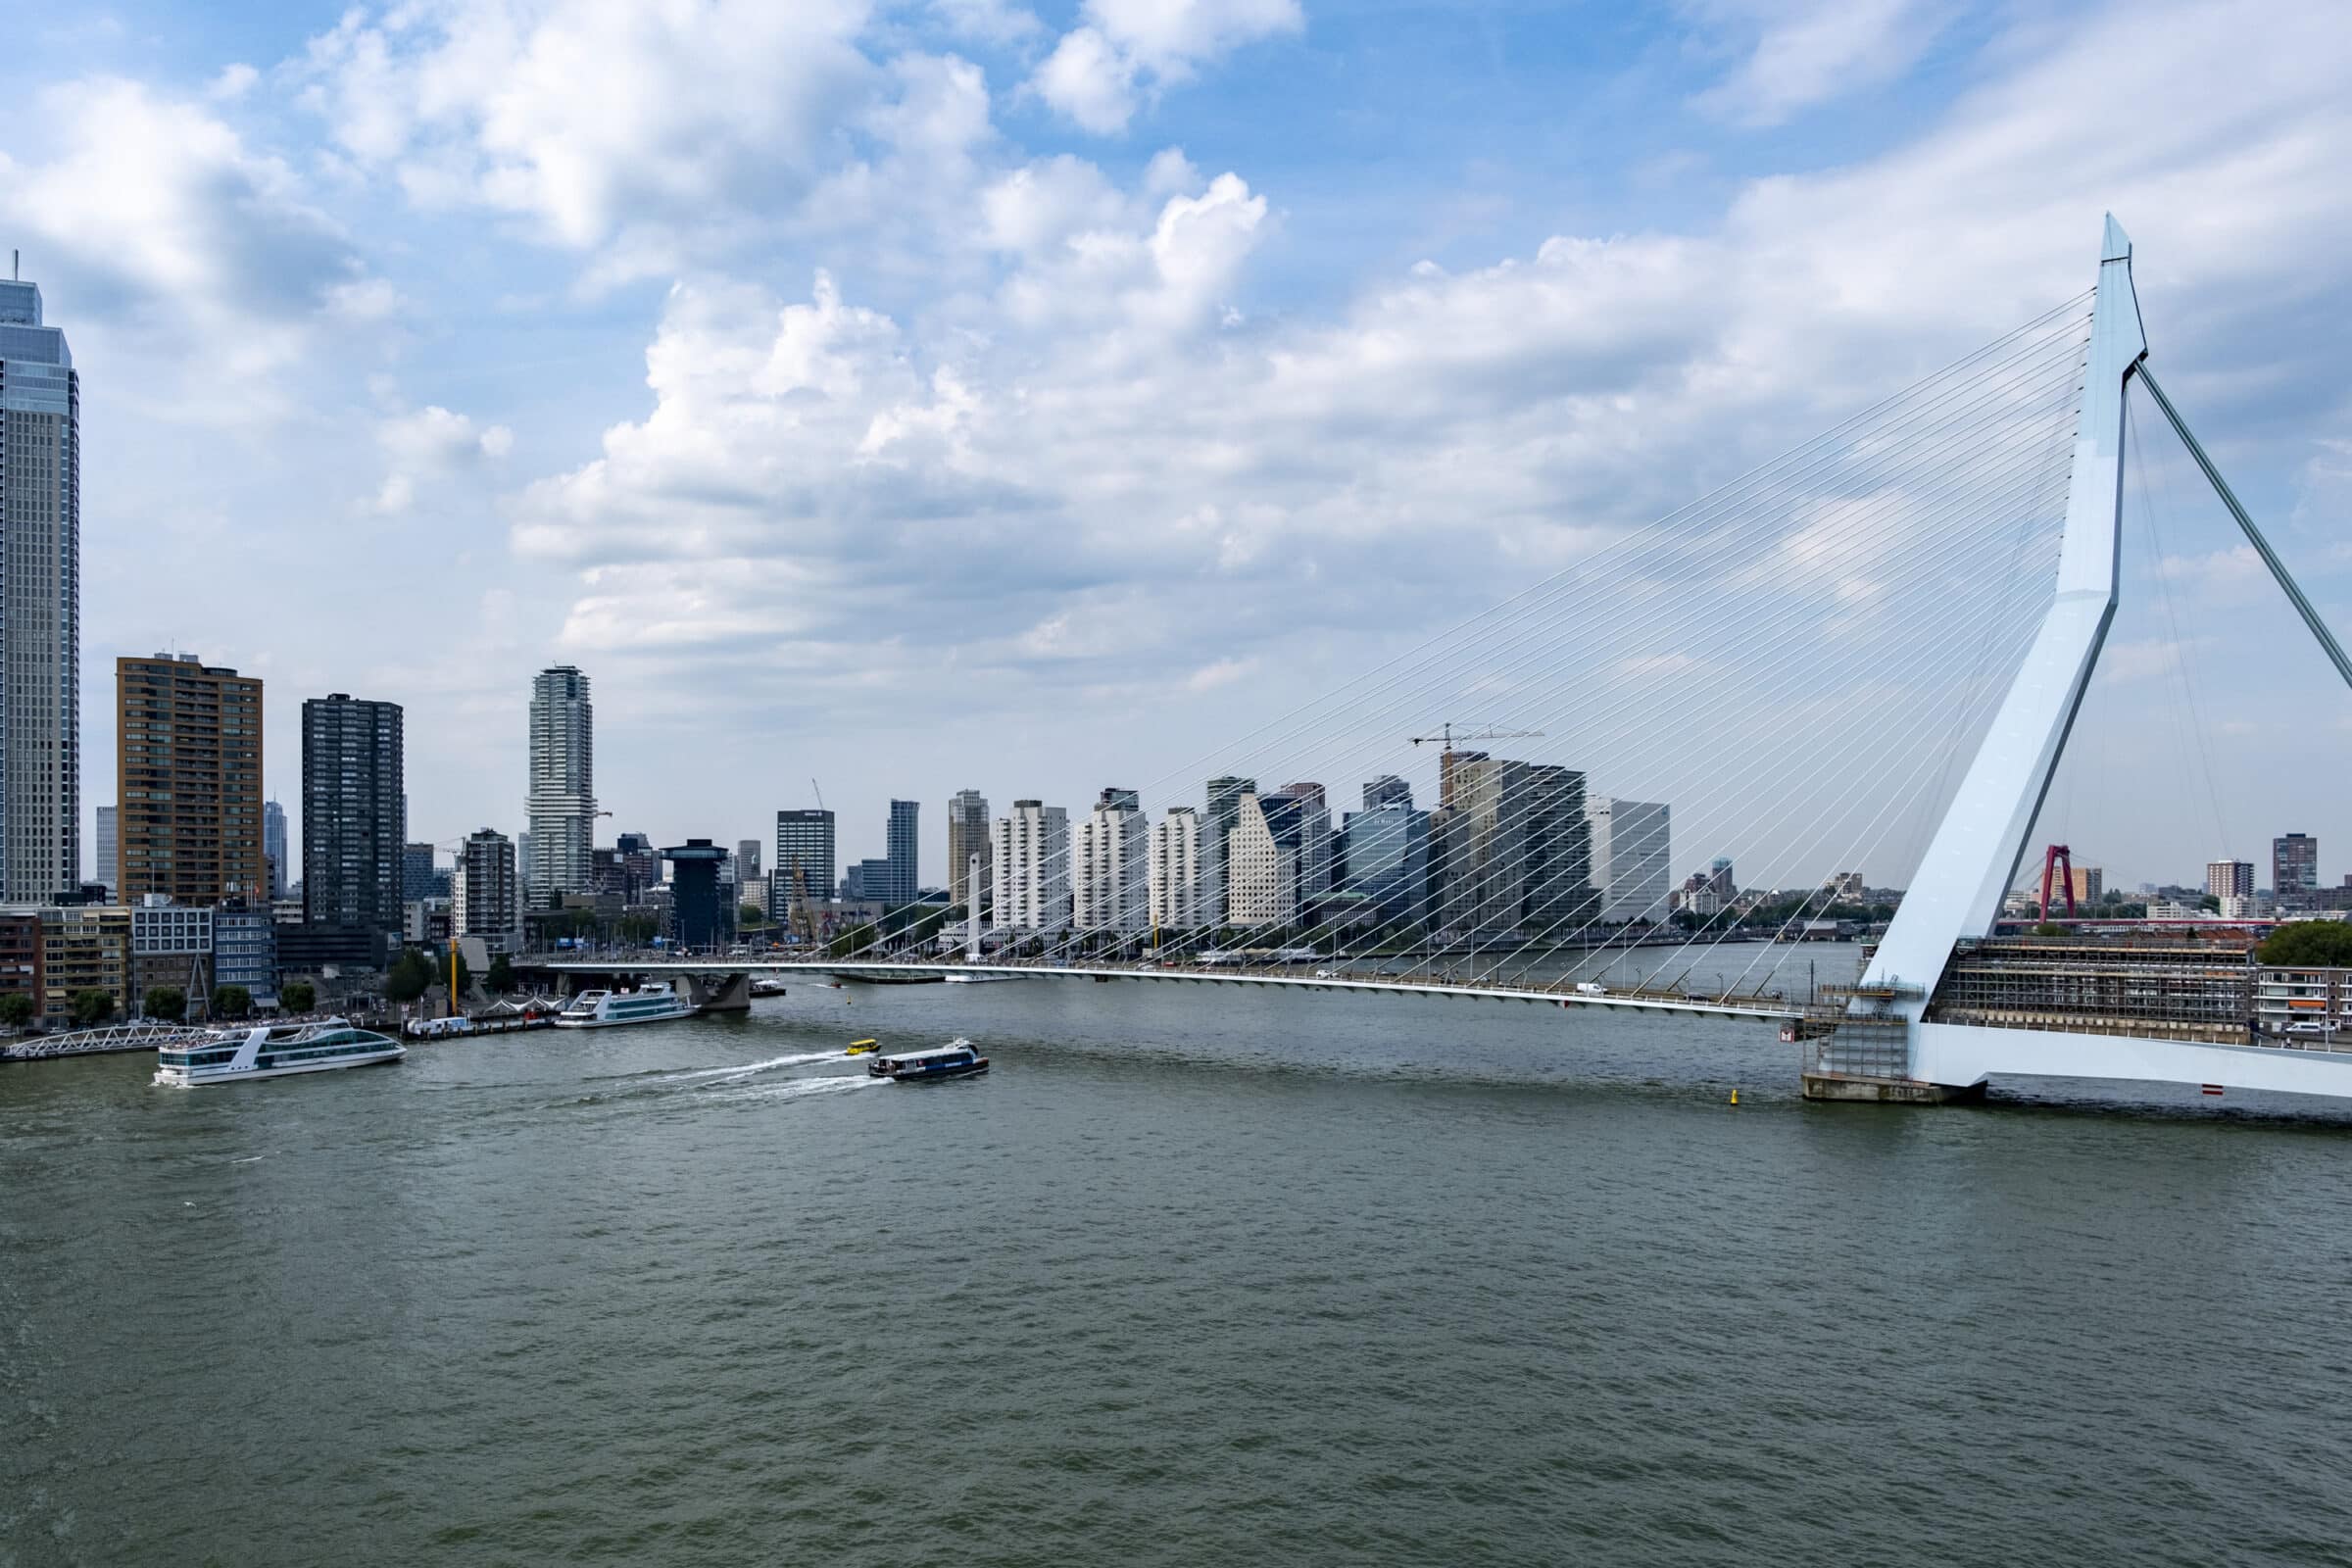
720 993
1846 1088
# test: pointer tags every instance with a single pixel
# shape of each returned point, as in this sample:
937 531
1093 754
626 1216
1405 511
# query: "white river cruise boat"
230 1055
609 1010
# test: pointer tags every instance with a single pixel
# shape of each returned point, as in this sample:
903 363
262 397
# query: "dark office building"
1385 852
353 813
417 874
2294 865
899 854
700 918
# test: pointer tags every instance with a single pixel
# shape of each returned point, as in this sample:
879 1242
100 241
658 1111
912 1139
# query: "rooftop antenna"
16 266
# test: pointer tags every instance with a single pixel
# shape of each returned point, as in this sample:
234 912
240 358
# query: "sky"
888 399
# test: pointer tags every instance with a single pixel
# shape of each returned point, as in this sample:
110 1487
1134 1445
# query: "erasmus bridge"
1876 644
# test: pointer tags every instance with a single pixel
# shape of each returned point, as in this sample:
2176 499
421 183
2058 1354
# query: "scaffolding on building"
2152 986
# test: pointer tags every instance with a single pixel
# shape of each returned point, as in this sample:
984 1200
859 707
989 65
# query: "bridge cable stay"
1699 716
2047 492
2188 721
1808 534
1896 747
2245 523
1999 648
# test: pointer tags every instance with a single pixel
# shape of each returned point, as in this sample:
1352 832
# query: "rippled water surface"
1192 1277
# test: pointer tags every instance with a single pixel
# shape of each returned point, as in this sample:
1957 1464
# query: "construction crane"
800 921
1447 734
1484 732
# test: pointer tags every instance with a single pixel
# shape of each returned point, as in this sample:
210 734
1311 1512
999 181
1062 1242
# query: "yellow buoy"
1735 1096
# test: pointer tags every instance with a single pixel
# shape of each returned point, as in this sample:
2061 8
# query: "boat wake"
743 1069
796 1088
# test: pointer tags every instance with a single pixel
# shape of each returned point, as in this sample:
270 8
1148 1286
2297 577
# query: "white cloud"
1220 672
594 117
1809 53
179 240
233 83
1100 72
990 22
2234 568
431 444
1089 81
1171 37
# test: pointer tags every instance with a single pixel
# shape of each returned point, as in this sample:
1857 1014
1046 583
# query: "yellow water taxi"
859 1048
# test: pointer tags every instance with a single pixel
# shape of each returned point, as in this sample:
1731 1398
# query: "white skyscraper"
1261 871
1177 872
109 871
1632 861
40 604
1030 856
563 800
1111 879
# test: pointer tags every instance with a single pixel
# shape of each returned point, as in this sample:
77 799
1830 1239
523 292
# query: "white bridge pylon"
1973 859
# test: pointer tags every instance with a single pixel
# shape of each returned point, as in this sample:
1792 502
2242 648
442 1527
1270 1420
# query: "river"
1195 1275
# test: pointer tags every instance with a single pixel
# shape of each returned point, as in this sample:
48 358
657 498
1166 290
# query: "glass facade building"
273 845
245 950
417 874
900 854
1386 852
40 604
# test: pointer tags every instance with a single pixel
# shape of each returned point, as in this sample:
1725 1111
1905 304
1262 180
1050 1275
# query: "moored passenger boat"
226 1056
959 1059
609 1010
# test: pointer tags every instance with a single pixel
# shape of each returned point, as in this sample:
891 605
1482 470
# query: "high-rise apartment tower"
562 799
353 813
40 603
187 781
967 836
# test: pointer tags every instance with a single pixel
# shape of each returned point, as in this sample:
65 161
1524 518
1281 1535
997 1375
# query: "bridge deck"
1560 991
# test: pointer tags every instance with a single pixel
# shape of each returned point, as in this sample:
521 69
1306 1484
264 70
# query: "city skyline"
524 503
1308 718
562 740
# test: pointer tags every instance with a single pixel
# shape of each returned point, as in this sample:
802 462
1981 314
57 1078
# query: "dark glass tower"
352 813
